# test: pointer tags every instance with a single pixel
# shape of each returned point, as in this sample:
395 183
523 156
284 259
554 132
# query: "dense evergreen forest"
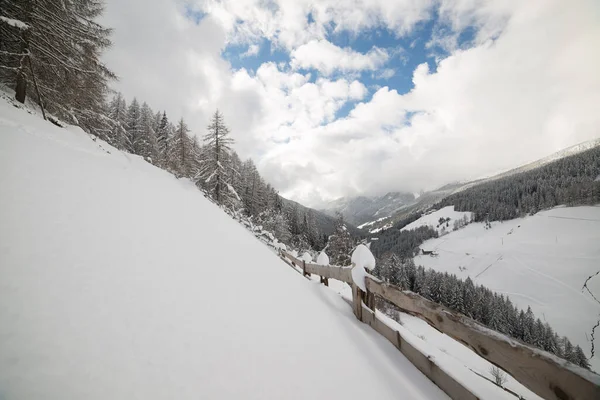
573 180
405 244
492 310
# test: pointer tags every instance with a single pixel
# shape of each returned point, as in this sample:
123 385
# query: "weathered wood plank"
429 368
339 273
357 301
541 372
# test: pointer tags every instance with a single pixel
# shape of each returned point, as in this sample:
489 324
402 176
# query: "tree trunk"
21 86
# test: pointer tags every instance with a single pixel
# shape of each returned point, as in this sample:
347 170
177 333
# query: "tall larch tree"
117 112
162 140
145 144
133 126
180 150
213 171
53 56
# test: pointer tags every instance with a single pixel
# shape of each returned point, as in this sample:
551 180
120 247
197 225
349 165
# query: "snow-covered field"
541 261
433 220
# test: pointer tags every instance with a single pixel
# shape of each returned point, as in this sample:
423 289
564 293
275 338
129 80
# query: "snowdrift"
118 281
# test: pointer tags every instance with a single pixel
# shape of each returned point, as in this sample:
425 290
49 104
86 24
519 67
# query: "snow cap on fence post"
307 257
323 258
362 260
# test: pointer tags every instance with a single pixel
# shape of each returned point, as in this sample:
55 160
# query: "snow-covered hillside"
118 281
541 261
434 220
361 209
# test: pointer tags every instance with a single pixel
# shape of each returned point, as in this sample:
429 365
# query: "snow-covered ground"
433 220
366 224
541 261
118 281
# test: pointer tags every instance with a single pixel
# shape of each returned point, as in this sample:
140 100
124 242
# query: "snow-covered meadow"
540 261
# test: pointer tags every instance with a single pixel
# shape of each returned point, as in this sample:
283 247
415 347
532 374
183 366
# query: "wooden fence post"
303 268
370 297
357 301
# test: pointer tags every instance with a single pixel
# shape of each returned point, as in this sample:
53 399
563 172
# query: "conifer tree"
340 244
117 112
145 143
213 171
162 140
180 151
133 127
55 58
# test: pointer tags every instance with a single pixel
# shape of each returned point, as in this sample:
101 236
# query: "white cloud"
531 91
385 73
253 50
497 105
328 58
285 22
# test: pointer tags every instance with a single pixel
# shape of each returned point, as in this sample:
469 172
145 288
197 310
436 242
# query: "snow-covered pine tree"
252 193
117 112
235 176
196 156
145 143
162 140
180 151
550 343
468 296
59 44
340 244
133 126
310 230
213 171
528 326
580 358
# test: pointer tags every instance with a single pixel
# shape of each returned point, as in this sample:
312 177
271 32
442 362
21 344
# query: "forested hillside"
573 180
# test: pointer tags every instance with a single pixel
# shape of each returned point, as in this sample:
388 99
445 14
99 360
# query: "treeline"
571 180
490 309
403 243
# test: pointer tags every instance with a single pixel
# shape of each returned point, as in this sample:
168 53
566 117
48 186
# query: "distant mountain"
569 151
325 223
428 199
361 209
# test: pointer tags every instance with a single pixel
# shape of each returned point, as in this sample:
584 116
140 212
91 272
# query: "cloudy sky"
343 97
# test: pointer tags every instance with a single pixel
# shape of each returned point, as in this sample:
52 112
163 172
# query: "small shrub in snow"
499 376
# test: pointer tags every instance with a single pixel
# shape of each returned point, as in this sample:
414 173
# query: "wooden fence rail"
541 372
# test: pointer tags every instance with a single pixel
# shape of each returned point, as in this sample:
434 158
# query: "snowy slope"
540 260
118 281
433 218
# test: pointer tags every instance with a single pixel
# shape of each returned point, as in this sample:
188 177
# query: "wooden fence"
541 372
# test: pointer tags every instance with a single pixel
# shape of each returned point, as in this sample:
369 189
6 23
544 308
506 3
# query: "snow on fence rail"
543 373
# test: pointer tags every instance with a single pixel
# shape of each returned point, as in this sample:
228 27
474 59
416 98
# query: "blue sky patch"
405 54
